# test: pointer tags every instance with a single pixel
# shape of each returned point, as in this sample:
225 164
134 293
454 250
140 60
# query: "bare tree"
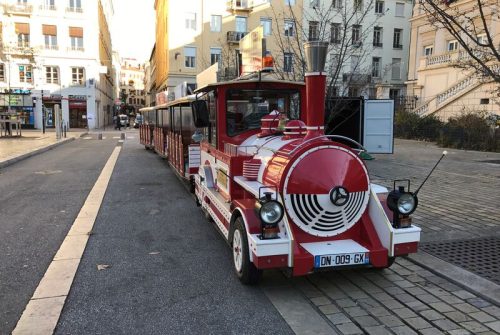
472 24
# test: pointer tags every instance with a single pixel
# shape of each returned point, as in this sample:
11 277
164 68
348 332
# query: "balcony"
22 49
354 78
74 10
357 44
48 8
51 47
18 9
378 44
397 46
76 49
239 5
235 36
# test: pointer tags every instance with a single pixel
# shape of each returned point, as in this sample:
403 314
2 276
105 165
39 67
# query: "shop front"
48 107
77 111
20 103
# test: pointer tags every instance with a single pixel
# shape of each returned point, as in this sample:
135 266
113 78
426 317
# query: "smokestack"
315 53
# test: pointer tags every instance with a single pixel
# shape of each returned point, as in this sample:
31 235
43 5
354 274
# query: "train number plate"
359 258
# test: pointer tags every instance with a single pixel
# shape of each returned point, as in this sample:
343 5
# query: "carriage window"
176 119
245 108
165 118
187 120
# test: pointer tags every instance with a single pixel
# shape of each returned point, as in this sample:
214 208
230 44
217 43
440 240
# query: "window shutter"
49 30
22 28
75 32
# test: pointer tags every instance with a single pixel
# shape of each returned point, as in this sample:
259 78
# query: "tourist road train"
282 193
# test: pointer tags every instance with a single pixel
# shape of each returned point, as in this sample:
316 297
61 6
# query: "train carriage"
283 194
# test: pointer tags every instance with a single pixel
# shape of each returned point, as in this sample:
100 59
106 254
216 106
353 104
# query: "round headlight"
406 203
271 212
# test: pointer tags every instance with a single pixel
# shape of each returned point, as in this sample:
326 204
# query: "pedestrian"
118 123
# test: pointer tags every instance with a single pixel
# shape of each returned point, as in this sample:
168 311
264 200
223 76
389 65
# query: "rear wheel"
245 269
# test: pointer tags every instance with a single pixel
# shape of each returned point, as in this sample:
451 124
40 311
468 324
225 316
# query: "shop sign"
77 97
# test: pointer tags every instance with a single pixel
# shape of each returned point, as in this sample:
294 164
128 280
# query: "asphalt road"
39 199
170 272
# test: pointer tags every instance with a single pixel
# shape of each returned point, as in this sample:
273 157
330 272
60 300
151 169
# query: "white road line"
45 307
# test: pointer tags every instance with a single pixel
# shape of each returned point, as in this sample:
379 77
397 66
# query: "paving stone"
406 298
366 321
474 326
431 315
367 303
349 329
379 311
403 330
459 332
355 311
464 294
346 302
391 321
329 309
338 318
392 304
417 323
415 279
376 330
394 290
392 277
417 306
357 294
428 298
416 290
451 299
492 310
478 302
430 331
482 317
441 307
404 313
494 325
466 308
320 301
457 316
404 283
445 324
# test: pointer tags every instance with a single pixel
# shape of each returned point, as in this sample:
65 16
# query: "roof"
251 80
181 100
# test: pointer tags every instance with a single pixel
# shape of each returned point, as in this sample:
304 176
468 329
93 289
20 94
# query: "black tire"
246 271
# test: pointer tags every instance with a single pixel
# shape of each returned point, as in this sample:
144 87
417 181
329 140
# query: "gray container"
315 52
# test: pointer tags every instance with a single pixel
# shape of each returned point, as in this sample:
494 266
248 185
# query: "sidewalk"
32 142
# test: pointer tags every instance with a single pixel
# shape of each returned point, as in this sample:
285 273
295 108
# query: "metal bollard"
64 130
122 136
99 136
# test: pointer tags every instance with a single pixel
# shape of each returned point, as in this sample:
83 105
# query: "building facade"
57 52
442 88
132 85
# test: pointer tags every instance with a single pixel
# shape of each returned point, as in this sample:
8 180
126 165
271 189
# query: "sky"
133 28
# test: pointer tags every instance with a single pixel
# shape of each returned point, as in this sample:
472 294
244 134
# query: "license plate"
323 261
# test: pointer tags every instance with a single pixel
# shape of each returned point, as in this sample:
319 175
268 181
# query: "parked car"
124 120
138 120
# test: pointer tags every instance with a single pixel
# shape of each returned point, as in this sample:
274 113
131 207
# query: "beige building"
191 35
132 84
442 88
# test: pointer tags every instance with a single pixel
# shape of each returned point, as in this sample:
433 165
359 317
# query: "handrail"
329 136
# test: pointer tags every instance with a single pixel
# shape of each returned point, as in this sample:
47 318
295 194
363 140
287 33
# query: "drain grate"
480 256
491 161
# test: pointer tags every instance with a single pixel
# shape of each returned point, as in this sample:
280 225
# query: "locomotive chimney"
315 53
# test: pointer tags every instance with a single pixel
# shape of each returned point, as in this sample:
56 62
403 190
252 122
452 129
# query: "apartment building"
132 84
192 35
442 88
57 52
371 39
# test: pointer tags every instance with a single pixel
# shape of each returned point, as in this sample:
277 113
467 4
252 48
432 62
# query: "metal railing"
48 7
20 8
74 10
235 36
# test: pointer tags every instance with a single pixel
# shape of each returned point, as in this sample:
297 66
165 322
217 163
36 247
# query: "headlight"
271 212
406 203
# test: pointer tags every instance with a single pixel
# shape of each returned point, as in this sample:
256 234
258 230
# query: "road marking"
45 307
116 137
87 138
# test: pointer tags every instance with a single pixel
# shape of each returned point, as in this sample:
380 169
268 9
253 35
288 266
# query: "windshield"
245 108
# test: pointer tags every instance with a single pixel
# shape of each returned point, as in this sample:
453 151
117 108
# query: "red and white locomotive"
283 194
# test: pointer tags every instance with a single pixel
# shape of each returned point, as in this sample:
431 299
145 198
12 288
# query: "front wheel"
245 270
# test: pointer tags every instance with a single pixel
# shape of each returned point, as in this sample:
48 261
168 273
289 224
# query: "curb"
35 152
482 287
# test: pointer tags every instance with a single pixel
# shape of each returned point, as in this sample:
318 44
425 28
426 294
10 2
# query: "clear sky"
133 28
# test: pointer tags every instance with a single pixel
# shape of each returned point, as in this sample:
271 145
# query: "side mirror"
200 113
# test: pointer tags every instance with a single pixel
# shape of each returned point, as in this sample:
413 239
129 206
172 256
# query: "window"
78 75
215 23
396 68
452 45
398 39
355 63
289 2
400 9
190 57
288 62
481 39
313 30
49 5
289 28
376 67
76 38
2 72
50 36
485 101
356 34
353 91
51 75
335 33
379 7
75 5
266 23
25 74
377 37
358 5
190 21
241 24
337 4
428 50
313 3
215 55
23 40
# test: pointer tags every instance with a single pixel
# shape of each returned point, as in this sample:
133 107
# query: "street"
153 264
